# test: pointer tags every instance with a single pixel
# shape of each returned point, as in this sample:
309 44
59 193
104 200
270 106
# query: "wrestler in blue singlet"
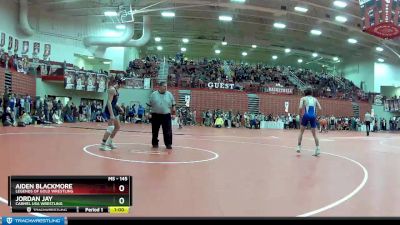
310 112
113 106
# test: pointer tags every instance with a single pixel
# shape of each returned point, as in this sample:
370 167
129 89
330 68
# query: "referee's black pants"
368 126
163 120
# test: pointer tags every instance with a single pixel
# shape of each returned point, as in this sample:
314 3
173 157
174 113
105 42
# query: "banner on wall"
391 106
378 100
101 82
147 83
134 83
3 39
386 106
47 50
81 81
25 47
187 100
91 82
36 48
280 90
10 42
69 79
16 45
85 81
287 107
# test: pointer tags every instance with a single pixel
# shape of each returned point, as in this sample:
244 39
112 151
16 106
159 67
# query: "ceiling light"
185 40
239 1
288 50
381 60
341 19
379 49
120 26
299 60
352 40
300 9
244 53
280 25
168 14
157 39
90 57
335 58
254 46
340 4
274 57
316 32
224 43
225 18
315 54
217 51
110 13
159 48
107 63
183 49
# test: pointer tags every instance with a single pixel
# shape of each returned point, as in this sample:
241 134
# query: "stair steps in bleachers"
8 82
356 110
163 72
182 95
253 104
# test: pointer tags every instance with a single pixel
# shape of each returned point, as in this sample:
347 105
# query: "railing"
295 80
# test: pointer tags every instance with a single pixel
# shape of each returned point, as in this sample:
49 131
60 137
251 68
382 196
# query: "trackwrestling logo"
33 220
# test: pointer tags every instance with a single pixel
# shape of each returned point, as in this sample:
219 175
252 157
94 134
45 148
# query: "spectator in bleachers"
7 118
140 111
219 122
67 114
131 113
25 118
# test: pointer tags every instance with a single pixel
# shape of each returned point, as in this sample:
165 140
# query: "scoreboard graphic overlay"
70 194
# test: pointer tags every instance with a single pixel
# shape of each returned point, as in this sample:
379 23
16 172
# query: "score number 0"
121 200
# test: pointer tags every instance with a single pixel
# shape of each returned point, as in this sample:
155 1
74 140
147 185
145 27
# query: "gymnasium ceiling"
252 24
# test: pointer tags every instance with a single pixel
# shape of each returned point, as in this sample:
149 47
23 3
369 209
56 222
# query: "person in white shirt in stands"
309 103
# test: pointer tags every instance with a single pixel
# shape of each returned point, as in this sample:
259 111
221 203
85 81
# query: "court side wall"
202 100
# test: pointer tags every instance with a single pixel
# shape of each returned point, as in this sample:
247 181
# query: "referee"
367 120
162 102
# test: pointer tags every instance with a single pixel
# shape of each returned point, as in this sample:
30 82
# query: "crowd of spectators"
146 67
328 85
228 119
258 77
14 62
22 110
243 76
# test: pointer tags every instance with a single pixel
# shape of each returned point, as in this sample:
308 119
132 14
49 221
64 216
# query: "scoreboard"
381 17
70 194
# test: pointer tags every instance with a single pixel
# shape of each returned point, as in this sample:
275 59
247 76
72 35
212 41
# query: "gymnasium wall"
202 100
275 104
21 84
386 75
361 71
390 91
380 112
